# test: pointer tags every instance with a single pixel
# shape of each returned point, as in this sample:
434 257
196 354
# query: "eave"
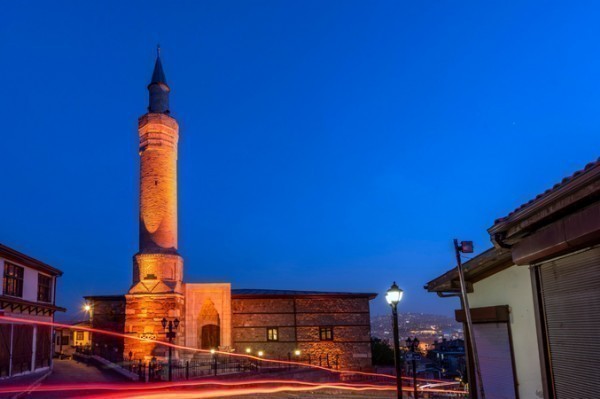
576 191
25 260
482 266
12 304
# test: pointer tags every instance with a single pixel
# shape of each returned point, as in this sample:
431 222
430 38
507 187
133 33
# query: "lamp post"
172 325
393 296
466 247
411 344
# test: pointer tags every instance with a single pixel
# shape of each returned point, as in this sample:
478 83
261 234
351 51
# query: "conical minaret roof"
158 89
158 76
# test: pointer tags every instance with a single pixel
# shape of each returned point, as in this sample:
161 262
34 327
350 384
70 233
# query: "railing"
210 365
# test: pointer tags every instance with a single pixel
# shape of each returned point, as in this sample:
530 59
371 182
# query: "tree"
382 354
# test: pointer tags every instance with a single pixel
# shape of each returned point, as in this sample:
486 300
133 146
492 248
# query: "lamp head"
164 322
176 323
393 295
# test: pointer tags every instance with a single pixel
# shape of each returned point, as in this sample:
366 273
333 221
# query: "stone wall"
108 314
144 314
298 320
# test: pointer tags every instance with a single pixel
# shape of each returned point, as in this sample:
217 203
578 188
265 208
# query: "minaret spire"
158 88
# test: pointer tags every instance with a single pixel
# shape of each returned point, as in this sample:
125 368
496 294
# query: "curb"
32 387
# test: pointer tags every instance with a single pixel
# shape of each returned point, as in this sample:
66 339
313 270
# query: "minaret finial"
159 90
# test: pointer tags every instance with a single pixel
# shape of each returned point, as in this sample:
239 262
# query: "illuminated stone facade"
212 315
329 329
157 290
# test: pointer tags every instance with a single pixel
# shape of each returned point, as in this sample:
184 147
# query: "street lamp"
411 344
170 325
393 297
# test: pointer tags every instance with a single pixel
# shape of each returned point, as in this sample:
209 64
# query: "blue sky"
325 145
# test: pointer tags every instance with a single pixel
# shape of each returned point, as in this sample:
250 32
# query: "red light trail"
239 355
214 388
186 384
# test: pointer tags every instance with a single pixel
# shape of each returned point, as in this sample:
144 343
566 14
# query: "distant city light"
297 352
87 307
248 350
261 353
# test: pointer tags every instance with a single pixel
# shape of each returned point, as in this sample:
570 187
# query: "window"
326 333
79 335
13 280
44 283
65 340
272 334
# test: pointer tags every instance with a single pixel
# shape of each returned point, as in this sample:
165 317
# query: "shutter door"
4 349
495 359
42 347
22 348
570 290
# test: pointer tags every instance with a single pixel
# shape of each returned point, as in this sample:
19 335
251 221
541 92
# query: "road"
72 372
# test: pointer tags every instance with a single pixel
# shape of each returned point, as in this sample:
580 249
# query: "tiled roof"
19 257
557 186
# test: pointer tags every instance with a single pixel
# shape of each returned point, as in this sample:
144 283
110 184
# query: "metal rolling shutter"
570 290
495 359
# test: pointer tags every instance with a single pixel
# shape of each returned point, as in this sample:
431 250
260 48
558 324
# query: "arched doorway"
210 337
209 323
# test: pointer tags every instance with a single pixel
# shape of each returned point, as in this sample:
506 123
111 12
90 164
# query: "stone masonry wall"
108 314
298 320
159 134
144 314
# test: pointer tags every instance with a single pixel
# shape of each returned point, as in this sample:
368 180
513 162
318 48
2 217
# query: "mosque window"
272 334
326 333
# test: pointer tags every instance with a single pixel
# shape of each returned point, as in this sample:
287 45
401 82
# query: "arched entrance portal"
209 324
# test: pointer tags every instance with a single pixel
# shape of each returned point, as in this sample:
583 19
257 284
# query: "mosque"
276 323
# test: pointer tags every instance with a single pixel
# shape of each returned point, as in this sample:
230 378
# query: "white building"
535 296
28 292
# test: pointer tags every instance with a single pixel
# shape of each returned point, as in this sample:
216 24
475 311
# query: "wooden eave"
12 304
482 266
578 191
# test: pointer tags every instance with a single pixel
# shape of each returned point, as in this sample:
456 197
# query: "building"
69 340
449 357
535 296
107 312
28 292
213 316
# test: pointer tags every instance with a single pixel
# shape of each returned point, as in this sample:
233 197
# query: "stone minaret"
157 289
